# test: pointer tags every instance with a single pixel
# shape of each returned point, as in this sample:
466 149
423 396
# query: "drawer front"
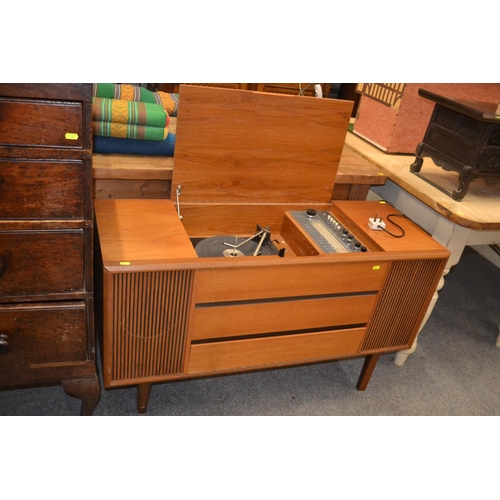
41 123
233 320
287 349
41 262
41 189
42 335
252 283
458 124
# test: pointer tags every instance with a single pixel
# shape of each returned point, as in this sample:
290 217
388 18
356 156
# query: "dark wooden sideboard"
46 239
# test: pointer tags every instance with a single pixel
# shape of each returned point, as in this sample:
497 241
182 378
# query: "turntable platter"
223 246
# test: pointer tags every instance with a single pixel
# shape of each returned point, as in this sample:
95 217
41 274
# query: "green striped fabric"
128 92
129 131
135 113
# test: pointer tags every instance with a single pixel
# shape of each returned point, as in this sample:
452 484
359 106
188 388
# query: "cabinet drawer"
280 316
252 283
287 349
41 189
41 123
42 335
41 262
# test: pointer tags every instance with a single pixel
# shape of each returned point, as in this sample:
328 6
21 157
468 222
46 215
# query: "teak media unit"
247 160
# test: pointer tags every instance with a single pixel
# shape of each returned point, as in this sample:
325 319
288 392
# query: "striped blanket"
113 145
131 112
135 113
129 131
135 93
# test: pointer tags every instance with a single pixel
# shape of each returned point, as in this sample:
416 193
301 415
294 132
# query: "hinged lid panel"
237 146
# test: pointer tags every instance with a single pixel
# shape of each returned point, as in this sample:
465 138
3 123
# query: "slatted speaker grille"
404 295
150 312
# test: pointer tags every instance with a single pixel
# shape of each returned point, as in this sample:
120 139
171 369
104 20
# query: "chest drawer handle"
4 262
4 344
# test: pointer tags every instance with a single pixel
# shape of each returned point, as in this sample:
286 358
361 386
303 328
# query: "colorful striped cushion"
128 92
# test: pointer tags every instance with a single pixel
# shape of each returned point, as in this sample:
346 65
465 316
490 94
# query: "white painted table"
455 224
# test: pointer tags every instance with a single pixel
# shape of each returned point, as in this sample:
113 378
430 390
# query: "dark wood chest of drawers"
46 233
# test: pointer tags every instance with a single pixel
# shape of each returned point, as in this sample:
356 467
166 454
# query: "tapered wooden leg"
367 370
87 389
143 392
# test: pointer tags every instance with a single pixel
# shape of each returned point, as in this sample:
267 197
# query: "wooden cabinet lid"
238 146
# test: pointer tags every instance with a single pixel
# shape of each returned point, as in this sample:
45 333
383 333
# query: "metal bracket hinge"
177 197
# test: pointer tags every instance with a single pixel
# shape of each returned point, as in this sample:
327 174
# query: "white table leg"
402 356
450 235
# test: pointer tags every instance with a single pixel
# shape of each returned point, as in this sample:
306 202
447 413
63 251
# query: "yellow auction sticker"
124 263
376 268
71 136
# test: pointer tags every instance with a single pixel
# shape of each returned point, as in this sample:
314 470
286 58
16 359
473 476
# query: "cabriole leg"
87 389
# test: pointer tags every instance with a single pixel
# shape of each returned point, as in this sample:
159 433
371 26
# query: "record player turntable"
251 233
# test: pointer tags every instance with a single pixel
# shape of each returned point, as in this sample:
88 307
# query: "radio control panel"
327 232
